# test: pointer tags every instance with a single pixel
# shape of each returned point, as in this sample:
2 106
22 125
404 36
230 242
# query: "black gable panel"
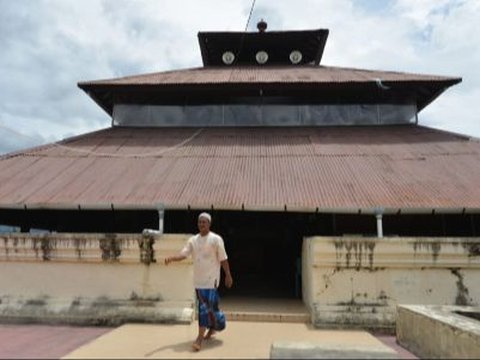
277 44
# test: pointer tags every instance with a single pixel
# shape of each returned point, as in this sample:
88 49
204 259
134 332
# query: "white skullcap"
206 216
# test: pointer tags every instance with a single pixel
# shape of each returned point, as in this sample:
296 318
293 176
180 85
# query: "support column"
161 214
379 225
379 216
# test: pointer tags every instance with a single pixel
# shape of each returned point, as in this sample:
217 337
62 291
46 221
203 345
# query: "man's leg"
213 300
202 320
209 334
197 345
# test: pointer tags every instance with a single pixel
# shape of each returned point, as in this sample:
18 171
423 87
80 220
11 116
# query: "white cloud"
48 46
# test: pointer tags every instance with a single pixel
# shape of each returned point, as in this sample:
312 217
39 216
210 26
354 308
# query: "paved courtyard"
241 339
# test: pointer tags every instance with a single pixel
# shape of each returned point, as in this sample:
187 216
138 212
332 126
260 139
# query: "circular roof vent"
261 57
295 57
228 57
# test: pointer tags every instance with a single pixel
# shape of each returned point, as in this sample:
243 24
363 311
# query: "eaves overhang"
421 92
245 207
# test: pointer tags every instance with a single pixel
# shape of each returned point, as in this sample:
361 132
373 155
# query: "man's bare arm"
228 275
170 259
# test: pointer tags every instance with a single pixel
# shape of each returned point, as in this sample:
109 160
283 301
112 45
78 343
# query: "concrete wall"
96 278
439 332
113 278
359 281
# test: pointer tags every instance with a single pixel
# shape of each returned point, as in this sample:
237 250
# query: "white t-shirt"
207 252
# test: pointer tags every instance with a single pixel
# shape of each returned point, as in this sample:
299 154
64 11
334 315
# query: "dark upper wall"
262 48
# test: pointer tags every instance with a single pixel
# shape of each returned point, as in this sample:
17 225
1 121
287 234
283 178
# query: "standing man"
208 252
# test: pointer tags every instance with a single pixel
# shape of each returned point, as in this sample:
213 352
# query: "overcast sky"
47 46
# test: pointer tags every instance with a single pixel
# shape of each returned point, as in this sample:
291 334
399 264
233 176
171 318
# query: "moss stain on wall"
362 251
434 247
463 297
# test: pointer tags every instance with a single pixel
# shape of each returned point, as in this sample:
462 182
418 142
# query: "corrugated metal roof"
267 74
337 168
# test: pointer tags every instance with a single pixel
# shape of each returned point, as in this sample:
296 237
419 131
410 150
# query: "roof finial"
261 26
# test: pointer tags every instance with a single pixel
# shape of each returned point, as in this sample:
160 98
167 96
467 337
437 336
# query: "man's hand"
228 276
228 281
170 259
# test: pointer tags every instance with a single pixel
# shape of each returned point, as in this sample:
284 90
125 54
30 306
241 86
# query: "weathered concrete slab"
326 350
439 331
379 318
102 311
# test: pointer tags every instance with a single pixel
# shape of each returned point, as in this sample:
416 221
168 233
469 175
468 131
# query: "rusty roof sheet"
338 169
305 74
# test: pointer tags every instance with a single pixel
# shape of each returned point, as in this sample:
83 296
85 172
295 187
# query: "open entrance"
264 255
264 250
264 266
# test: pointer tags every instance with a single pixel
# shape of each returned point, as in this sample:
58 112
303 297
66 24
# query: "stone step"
267 317
265 310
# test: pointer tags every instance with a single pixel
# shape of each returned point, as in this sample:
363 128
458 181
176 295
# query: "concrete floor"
241 339
261 327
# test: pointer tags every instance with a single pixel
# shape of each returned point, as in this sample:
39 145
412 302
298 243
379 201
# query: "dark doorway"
264 255
264 266
264 249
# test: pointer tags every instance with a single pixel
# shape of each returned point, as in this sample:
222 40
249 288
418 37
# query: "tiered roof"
405 168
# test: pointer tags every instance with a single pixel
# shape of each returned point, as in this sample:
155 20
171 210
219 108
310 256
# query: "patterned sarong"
209 315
